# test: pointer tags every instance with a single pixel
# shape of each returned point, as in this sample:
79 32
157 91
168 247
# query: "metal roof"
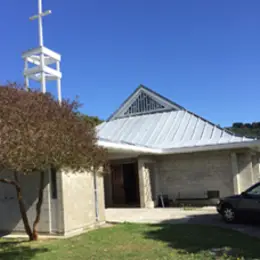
165 127
172 129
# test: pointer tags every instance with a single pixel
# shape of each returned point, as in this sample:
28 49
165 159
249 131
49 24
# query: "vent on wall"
213 194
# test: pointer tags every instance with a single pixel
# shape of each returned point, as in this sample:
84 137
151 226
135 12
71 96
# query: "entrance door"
131 184
118 184
125 185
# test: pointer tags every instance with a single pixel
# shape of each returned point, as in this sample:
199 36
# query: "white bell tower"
37 61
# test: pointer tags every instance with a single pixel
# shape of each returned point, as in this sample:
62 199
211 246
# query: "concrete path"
157 215
202 216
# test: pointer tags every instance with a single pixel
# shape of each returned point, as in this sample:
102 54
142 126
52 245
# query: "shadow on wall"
215 239
10 217
18 250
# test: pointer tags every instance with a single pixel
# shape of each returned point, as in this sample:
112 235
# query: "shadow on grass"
201 235
247 226
18 250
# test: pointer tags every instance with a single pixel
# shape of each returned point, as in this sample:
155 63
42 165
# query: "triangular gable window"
143 103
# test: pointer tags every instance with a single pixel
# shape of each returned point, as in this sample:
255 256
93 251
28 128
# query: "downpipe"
96 196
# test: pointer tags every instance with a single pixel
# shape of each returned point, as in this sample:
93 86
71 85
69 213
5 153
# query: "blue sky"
204 55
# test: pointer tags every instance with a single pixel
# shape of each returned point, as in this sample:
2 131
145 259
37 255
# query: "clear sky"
202 54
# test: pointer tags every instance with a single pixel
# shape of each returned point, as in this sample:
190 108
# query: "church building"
158 148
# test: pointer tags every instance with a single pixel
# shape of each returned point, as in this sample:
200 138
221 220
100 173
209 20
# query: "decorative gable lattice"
144 103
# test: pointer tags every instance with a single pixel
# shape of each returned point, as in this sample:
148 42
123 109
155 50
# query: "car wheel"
228 214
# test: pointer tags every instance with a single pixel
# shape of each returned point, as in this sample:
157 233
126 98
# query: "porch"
131 183
197 179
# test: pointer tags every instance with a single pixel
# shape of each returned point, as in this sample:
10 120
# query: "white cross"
39 17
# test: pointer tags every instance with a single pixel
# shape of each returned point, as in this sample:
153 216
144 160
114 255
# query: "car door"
249 205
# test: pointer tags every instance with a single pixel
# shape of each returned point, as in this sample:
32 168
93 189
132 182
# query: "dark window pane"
53 183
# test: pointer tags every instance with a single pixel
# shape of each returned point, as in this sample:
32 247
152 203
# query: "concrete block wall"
245 167
193 174
248 168
57 209
79 202
101 197
72 210
145 185
10 217
256 166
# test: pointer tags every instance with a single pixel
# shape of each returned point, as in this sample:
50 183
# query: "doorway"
125 185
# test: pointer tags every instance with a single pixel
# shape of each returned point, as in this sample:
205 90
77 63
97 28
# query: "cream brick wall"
73 210
57 213
146 174
247 169
192 174
144 171
10 217
256 167
101 198
79 202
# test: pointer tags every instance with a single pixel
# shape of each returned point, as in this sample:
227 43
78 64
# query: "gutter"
238 145
148 150
128 147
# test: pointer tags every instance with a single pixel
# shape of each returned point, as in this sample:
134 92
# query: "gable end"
144 101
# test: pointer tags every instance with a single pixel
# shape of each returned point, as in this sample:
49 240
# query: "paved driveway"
157 215
204 216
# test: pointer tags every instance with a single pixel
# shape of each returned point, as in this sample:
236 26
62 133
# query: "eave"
131 148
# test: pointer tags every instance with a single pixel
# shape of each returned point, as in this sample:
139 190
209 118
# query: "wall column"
145 183
256 167
235 172
245 167
156 184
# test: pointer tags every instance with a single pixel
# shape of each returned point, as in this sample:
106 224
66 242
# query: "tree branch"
12 182
22 207
38 206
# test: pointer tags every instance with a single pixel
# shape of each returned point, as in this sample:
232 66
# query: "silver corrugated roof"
173 129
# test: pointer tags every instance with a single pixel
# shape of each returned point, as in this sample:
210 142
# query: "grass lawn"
138 241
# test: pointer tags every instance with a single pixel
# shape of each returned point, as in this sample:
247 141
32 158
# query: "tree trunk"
38 207
22 207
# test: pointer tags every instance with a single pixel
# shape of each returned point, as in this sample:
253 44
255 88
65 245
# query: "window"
254 191
143 103
53 183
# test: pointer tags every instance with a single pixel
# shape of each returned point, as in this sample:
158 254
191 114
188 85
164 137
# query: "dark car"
243 206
